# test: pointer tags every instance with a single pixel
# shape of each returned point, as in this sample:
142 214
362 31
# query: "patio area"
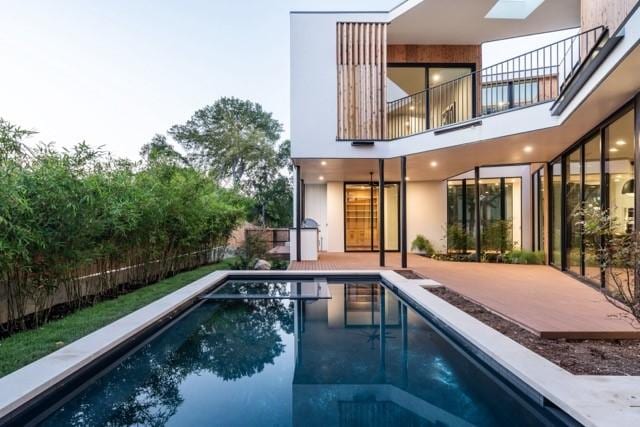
539 298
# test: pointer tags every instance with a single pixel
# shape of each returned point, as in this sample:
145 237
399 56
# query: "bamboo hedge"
78 225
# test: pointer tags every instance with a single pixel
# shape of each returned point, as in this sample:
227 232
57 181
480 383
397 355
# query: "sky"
114 73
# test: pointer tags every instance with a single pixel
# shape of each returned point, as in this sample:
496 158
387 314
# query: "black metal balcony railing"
531 78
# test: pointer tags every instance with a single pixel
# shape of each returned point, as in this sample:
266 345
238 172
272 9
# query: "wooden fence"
101 278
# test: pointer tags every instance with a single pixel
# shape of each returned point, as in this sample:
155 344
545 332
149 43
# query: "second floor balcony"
386 101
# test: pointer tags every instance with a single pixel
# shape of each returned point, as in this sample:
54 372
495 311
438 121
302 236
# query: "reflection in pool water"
360 358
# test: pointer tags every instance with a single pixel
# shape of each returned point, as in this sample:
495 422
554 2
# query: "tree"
619 256
229 139
159 150
236 142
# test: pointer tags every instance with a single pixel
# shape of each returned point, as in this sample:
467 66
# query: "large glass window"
556 214
500 215
451 102
405 81
408 114
495 98
525 93
412 109
458 239
591 201
504 95
578 181
619 167
470 197
538 214
492 228
573 206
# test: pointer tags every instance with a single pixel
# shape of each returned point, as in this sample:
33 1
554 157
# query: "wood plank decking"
539 298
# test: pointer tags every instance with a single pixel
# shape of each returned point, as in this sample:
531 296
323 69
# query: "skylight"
513 9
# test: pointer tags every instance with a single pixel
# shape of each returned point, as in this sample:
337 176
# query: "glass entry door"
361 212
360 217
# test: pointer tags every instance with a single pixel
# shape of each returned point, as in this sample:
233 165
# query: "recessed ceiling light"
621 142
436 77
321 178
323 163
528 149
434 164
613 150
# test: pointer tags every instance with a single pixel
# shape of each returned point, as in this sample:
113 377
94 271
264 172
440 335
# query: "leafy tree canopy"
230 139
159 150
236 142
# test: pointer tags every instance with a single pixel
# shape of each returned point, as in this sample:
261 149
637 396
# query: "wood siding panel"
435 54
438 54
361 80
609 13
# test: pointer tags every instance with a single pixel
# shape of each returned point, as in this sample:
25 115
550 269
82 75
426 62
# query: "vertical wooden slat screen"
362 73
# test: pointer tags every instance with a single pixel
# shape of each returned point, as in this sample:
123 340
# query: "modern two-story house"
400 127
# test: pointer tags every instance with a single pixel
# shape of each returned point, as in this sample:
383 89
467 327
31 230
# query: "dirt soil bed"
581 357
409 274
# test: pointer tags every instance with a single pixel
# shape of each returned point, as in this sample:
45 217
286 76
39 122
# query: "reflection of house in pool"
354 369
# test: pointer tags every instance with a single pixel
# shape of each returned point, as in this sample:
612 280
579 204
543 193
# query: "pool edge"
593 401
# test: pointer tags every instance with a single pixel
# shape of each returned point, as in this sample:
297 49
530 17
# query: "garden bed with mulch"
409 274
580 357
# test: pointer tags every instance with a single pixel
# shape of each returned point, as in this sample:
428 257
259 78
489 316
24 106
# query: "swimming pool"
359 356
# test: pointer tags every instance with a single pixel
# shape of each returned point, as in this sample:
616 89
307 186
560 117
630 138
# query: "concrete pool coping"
591 400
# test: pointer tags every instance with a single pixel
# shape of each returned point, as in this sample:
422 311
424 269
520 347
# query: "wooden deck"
539 298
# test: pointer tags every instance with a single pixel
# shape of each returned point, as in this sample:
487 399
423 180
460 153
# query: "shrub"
455 257
496 236
279 264
73 213
618 251
423 245
458 239
252 249
523 257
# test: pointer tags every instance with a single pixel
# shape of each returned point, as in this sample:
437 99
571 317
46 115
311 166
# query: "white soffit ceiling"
545 144
466 21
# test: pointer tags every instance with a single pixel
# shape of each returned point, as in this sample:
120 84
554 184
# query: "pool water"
361 358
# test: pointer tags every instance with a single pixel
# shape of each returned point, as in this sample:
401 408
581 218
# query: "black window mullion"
604 194
582 197
371 214
563 213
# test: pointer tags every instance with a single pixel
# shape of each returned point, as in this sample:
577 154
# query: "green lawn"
23 348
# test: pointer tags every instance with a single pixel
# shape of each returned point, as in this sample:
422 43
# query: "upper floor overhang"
479 21
531 134
466 21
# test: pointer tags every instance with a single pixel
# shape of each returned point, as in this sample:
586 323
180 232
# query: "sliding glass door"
424 96
592 199
597 173
556 214
538 213
361 221
573 198
619 170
